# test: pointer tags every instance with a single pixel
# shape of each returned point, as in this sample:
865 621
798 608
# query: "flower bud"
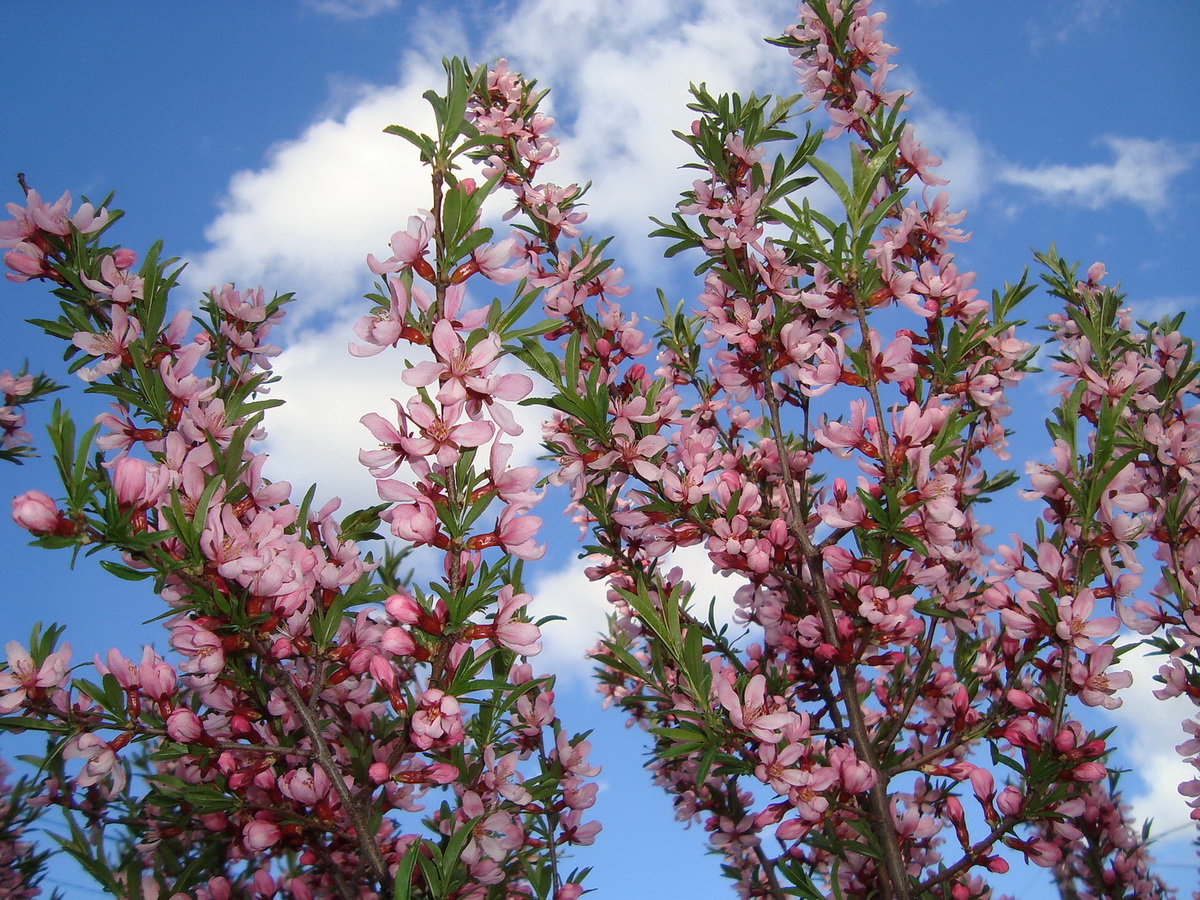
36 513
260 834
184 726
124 257
379 773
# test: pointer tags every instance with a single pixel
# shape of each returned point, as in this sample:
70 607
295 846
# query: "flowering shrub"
895 712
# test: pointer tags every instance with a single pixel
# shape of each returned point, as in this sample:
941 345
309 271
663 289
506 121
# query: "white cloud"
314 438
966 161
619 72
1141 173
352 9
584 605
1061 21
308 218
1148 731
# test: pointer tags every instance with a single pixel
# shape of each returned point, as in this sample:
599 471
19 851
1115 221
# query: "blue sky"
248 137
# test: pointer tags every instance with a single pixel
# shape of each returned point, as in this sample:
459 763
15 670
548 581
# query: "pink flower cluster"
818 425
882 641
305 698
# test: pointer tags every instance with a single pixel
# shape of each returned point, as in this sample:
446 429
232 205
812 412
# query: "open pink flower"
520 637
1076 625
24 677
407 247
437 721
439 435
458 368
112 345
102 762
754 712
1095 683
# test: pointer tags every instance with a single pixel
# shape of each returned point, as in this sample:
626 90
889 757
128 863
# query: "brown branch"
358 820
894 871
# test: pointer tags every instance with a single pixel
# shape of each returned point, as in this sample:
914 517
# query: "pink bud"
378 773
1089 771
260 834
398 642
1010 801
441 773
35 512
124 258
403 608
26 264
184 726
129 481
983 784
954 810
1020 700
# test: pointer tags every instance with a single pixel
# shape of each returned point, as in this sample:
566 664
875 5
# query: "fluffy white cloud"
1148 731
308 218
619 70
1141 173
315 436
620 73
584 606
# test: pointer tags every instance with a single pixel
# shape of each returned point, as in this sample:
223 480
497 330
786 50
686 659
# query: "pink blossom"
102 762
23 677
117 282
1095 683
184 726
260 833
437 722
308 786
520 637
36 513
494 262
1076 625
515 533
112 345
754 712
576 831
572 756
386 327
35 216
439 435
408 247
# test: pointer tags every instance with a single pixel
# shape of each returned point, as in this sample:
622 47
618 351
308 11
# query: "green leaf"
404 872
125 573
422 142
830 176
